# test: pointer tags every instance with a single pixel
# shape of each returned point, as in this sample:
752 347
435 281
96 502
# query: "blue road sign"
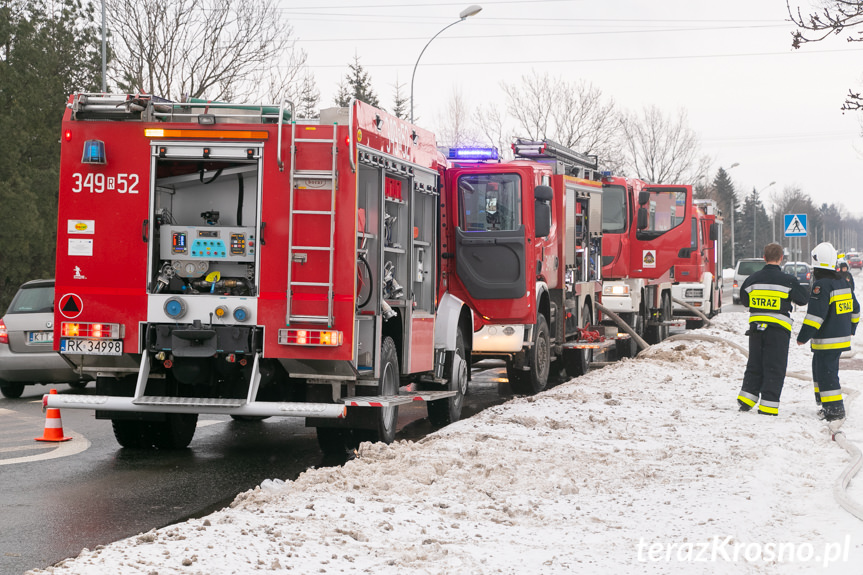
795 225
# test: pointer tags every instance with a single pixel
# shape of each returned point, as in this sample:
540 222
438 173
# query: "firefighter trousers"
765 370
825 375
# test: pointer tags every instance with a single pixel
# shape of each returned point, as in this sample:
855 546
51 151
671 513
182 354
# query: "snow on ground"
645 466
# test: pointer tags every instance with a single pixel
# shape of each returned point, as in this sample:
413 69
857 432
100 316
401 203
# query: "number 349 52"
99 183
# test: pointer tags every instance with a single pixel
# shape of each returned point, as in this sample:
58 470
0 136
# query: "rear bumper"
192 405
41 367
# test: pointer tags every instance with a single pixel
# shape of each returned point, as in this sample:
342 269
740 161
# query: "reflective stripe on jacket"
832 316
769 294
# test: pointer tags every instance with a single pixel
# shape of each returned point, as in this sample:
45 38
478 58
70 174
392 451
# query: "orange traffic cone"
53 425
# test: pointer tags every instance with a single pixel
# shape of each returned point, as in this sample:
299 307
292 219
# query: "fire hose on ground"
841 484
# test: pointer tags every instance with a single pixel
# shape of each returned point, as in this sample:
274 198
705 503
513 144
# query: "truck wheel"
78 384
629 347
386 417
657 333
445 411
539 356
332 440
11 390
132 434
176 432
577 361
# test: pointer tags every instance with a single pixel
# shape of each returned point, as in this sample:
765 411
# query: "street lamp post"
471 10
755 221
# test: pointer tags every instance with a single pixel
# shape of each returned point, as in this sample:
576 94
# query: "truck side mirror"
643 198
642 218
714 232
542 210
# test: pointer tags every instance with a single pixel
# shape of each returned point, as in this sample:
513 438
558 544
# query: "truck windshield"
666 209
489 202
613 209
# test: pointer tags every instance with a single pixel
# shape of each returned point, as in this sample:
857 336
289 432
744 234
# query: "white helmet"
824 256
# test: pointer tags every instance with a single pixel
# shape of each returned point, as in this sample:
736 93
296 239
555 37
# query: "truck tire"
11 390
132 434
445 411
387 417
539 356
656 333
176 432
80 384
577 361
333 440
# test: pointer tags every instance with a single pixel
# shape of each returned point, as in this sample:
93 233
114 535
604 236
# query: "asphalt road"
58 498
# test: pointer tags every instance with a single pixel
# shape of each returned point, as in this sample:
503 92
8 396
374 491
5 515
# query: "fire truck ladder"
297 253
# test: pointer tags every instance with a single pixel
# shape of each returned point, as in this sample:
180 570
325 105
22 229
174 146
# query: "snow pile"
645 466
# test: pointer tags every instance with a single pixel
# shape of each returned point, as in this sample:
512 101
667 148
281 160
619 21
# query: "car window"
33 300
749 268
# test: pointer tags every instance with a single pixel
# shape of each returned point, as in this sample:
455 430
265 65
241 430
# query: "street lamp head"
734 165
471 10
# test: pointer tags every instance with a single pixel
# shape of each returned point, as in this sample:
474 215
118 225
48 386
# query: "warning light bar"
310 337
94 152
90 330
207 134
477 154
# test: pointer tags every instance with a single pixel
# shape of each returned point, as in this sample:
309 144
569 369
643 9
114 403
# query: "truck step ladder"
393 400
299 253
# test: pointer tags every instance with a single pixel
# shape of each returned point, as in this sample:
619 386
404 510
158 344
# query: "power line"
599 60
545 34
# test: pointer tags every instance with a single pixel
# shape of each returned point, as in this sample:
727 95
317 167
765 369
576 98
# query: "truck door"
491 245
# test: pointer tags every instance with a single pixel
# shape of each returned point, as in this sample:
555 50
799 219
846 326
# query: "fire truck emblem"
649 258
78 275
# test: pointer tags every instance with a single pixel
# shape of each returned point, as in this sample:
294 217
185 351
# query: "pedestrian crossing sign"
795 225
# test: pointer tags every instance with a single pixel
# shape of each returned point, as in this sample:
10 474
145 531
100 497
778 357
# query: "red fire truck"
232 259
521 245
698 276
644 228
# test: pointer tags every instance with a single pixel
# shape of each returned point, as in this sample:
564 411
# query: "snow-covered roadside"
645 466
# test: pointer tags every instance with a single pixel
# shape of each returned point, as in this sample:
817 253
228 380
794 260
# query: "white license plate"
92 346
40 337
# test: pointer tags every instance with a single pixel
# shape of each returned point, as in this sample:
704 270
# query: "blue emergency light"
472 154
94 152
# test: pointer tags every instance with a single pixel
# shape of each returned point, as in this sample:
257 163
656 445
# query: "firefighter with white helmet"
830 321
769 294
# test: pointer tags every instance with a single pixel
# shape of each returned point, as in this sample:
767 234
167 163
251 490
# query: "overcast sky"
751 98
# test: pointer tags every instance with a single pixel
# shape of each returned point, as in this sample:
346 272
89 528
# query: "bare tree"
834 18
455 127
574 114
493 127
661 150
401 103
218 49
308 98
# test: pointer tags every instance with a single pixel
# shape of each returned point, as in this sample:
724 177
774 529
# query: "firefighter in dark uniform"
769 294
830 321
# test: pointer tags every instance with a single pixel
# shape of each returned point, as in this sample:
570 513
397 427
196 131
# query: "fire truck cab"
521 245
644 229
698 276
232 259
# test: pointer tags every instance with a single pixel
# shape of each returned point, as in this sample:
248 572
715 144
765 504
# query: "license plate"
40 337
92 346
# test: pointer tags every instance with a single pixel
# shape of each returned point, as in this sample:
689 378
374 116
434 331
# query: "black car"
801 270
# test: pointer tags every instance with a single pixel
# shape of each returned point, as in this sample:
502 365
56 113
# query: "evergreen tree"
357 84
401 104
47 51
309 97
726 198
